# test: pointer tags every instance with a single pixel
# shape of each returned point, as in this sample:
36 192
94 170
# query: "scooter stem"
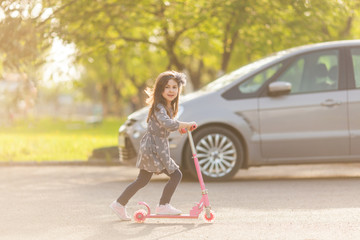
196 162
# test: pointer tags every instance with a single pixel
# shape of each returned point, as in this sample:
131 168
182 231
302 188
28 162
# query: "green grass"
55 140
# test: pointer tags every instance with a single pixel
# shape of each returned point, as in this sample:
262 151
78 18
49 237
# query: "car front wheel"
219 152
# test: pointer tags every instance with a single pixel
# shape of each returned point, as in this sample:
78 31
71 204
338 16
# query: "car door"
310 123
354 102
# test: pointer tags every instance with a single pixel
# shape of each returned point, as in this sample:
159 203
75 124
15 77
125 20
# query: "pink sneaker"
167 209
120 211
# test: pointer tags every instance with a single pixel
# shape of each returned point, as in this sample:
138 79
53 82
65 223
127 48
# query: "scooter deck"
171 216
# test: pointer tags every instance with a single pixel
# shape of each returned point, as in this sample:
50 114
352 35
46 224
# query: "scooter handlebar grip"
192 128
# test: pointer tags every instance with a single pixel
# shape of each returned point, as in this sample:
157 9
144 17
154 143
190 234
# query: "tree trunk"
195 75
228 45
117 104
104 90
173 59
346 31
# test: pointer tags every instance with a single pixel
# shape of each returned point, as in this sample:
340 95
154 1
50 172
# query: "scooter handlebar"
192 128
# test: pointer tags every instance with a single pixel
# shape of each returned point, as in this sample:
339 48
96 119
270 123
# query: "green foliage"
23 37
123 45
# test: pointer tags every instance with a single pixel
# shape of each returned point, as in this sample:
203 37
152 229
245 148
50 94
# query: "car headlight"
122 128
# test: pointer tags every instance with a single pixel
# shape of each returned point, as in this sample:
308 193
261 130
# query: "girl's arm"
168 123
164 120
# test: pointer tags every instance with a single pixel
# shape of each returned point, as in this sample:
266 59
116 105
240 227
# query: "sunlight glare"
60 66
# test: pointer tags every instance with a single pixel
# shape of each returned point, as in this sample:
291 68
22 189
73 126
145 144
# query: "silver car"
296 106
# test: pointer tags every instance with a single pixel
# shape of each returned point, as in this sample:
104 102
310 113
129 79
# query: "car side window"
314 72
252 84
355 54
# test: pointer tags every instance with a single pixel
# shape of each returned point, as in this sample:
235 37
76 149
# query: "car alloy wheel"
219 152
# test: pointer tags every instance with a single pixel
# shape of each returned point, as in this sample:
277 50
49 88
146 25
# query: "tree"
22 39
123 44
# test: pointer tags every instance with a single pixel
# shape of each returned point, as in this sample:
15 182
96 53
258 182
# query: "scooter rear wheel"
140 216
209 218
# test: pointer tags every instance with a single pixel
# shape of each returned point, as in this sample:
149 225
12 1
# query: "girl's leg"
141 181
170 186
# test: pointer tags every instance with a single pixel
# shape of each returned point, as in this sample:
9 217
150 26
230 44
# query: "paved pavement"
287 202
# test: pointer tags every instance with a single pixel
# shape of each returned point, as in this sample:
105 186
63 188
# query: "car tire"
219 151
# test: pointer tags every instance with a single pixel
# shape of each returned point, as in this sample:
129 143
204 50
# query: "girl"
154 154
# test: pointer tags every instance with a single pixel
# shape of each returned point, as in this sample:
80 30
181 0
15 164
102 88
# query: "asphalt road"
288 202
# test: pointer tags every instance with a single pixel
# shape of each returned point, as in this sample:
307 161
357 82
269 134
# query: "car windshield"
229 78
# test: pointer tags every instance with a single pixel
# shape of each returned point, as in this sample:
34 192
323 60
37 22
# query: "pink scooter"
209 216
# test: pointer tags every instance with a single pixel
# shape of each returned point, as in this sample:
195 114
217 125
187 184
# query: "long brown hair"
155 94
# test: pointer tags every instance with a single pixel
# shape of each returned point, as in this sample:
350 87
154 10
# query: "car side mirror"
279 88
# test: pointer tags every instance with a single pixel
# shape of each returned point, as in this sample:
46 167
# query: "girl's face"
170 91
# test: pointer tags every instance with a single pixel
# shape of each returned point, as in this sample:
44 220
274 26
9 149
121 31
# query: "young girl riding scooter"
154 153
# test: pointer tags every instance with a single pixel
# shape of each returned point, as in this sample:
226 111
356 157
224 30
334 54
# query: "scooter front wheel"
140 216
209 217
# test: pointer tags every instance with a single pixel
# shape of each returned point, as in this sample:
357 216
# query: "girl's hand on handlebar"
190 126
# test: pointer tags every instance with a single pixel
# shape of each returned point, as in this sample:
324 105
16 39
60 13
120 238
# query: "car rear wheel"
219 151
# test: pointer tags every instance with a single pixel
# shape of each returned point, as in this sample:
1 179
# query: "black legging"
143 179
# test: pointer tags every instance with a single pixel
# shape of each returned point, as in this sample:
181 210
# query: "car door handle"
330 103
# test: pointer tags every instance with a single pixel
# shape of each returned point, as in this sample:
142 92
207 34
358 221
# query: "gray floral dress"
154 153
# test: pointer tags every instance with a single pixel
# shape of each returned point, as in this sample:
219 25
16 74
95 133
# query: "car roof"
320 46
290 52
